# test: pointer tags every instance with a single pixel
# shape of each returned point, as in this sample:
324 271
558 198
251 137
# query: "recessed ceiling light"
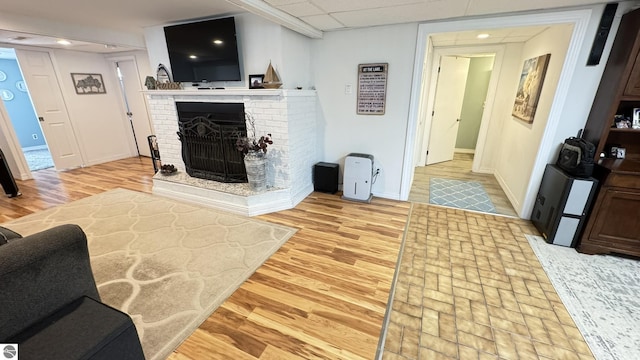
482 36
64 42
217 42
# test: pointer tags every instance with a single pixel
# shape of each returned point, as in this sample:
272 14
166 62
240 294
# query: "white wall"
341 130
580 92
296 60
503 102
98 120
259 41
519 141
473 105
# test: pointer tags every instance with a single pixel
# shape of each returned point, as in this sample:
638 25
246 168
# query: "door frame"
15 150
580 20
113 60
9 135
430 89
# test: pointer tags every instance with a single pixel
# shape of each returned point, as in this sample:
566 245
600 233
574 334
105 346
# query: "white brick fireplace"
289 115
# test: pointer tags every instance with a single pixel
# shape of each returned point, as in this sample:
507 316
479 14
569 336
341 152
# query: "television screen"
203 51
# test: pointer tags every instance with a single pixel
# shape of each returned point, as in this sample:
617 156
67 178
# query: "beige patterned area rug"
602 294
167 264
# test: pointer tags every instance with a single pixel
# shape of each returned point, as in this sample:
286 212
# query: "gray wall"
473 103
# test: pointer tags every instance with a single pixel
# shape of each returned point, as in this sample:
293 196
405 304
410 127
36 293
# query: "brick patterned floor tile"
470 287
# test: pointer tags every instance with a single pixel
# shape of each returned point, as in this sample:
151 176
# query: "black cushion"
6 234
84 329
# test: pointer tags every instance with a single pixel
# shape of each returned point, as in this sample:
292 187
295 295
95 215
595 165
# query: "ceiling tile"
322 22
497 36
301 9
403 13
526 31
516 39
283 2
333 6
482 7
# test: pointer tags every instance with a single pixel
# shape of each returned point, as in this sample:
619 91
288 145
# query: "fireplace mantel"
289 115
233 92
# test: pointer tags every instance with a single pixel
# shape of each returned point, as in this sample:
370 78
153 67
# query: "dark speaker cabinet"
562 205
325 177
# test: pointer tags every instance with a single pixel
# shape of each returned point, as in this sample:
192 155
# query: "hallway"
460 169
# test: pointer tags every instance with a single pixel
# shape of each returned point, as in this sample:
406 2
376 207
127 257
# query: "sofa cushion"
84 329
40 274
6 234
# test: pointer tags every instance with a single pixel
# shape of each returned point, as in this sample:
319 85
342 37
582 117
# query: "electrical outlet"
348 89
34 136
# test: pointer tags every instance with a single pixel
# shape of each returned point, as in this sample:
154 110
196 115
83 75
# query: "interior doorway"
22 114
462 87
466 113
133 103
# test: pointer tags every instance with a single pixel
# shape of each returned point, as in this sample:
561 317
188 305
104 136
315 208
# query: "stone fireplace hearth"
289 115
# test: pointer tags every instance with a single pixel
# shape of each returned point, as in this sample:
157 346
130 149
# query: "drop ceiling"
131 17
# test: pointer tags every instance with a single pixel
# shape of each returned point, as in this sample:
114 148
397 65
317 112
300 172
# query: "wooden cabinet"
633 85
619 92
614 222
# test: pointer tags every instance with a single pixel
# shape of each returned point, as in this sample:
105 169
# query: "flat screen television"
203 51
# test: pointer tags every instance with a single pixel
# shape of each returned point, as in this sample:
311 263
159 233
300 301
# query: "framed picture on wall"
530 87
86 84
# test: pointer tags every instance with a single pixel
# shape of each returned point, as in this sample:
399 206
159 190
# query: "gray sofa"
49 303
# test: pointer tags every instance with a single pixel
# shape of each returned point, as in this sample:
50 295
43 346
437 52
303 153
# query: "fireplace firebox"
208 133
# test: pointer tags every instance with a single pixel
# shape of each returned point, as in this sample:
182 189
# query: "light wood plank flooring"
323 295
472 287
460 169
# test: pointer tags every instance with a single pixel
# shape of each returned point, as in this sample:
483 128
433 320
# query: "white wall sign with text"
372 88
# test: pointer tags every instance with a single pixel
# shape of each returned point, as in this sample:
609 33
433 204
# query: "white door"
452 80
135 104
47 99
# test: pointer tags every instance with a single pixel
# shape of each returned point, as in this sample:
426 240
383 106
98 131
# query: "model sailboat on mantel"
271 79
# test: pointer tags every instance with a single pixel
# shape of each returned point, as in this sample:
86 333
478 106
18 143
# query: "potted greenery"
254 150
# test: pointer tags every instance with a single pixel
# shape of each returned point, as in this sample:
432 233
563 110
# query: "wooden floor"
460 169
323 295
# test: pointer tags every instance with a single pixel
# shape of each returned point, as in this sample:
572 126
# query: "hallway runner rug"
601 293
467 195
167 264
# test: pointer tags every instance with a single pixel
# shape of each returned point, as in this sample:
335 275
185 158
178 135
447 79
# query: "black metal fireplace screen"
208 132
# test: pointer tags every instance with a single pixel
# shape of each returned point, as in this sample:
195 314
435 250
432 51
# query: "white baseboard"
32 148
507 191
464 151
